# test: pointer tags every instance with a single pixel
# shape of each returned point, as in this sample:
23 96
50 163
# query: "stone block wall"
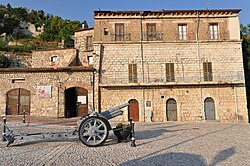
230 102
65 58
59 82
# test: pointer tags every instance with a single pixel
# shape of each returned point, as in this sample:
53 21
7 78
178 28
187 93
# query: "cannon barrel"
118 107
109 115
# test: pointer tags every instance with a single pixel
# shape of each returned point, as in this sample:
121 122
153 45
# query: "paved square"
171 143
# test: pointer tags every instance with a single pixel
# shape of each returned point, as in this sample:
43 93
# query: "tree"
58 29
4 61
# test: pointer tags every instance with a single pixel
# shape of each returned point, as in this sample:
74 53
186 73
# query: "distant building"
170 65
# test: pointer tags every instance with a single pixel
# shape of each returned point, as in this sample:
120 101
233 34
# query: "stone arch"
71 84
209 109
171 109
133 110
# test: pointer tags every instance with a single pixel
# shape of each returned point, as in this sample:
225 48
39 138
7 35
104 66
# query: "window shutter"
134 72
209 67
172 71
130 71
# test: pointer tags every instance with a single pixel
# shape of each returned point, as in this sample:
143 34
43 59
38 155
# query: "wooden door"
18 100
209 109
134 110
171 110
82 101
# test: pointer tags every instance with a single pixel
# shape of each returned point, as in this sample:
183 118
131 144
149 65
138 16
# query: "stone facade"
63 80
190 89
169 65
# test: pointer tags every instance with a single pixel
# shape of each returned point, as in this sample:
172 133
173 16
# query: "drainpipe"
236 103
199 63
142 65
99 78
93 91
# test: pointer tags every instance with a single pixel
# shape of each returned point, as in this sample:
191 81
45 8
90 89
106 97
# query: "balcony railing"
188 37
161 78
153 36
121 37
218 36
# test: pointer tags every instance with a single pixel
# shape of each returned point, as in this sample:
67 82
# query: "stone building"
54 84
170 65
179 65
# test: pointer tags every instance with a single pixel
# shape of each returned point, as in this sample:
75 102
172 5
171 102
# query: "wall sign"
44 91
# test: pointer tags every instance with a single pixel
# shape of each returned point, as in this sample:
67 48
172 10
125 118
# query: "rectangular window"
151 32
18 80
119 32
182 31
89 43
132 73
106 32
90 60
213 29
148 104
207 71
170 72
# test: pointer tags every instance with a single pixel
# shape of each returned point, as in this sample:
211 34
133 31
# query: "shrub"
4 61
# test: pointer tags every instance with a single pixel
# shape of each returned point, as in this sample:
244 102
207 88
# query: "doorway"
171 110
76 102
133 110
18 101
209 109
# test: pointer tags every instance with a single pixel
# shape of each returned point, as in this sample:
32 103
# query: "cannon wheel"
93 131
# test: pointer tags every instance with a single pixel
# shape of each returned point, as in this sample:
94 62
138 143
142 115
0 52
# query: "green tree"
58 29
4 61
245 35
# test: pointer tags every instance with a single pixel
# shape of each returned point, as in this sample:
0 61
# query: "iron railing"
121 37
116 78
152 36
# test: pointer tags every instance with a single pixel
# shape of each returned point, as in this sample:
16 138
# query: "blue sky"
83 9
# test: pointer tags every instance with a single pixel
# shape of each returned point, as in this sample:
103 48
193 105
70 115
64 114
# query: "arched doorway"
18 101
209 109
171 110
76 102
133 110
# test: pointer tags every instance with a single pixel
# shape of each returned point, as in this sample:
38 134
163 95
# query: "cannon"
93 129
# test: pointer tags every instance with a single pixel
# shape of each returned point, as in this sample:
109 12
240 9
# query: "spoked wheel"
93 131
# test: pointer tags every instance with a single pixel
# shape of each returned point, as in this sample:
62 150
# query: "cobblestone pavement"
171 143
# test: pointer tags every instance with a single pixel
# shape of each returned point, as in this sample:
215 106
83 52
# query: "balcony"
215 37
160 79
187 37
121 37
152 36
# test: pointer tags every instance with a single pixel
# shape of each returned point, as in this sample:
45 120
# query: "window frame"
119 31
182 33
207 71
213 31
132 73
170 74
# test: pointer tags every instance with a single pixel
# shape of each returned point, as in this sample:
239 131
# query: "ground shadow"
180 159
171 159
147 134
27 142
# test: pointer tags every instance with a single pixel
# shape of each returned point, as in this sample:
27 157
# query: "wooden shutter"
207 71
151 31
170 72
132 73
119 32
89 43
